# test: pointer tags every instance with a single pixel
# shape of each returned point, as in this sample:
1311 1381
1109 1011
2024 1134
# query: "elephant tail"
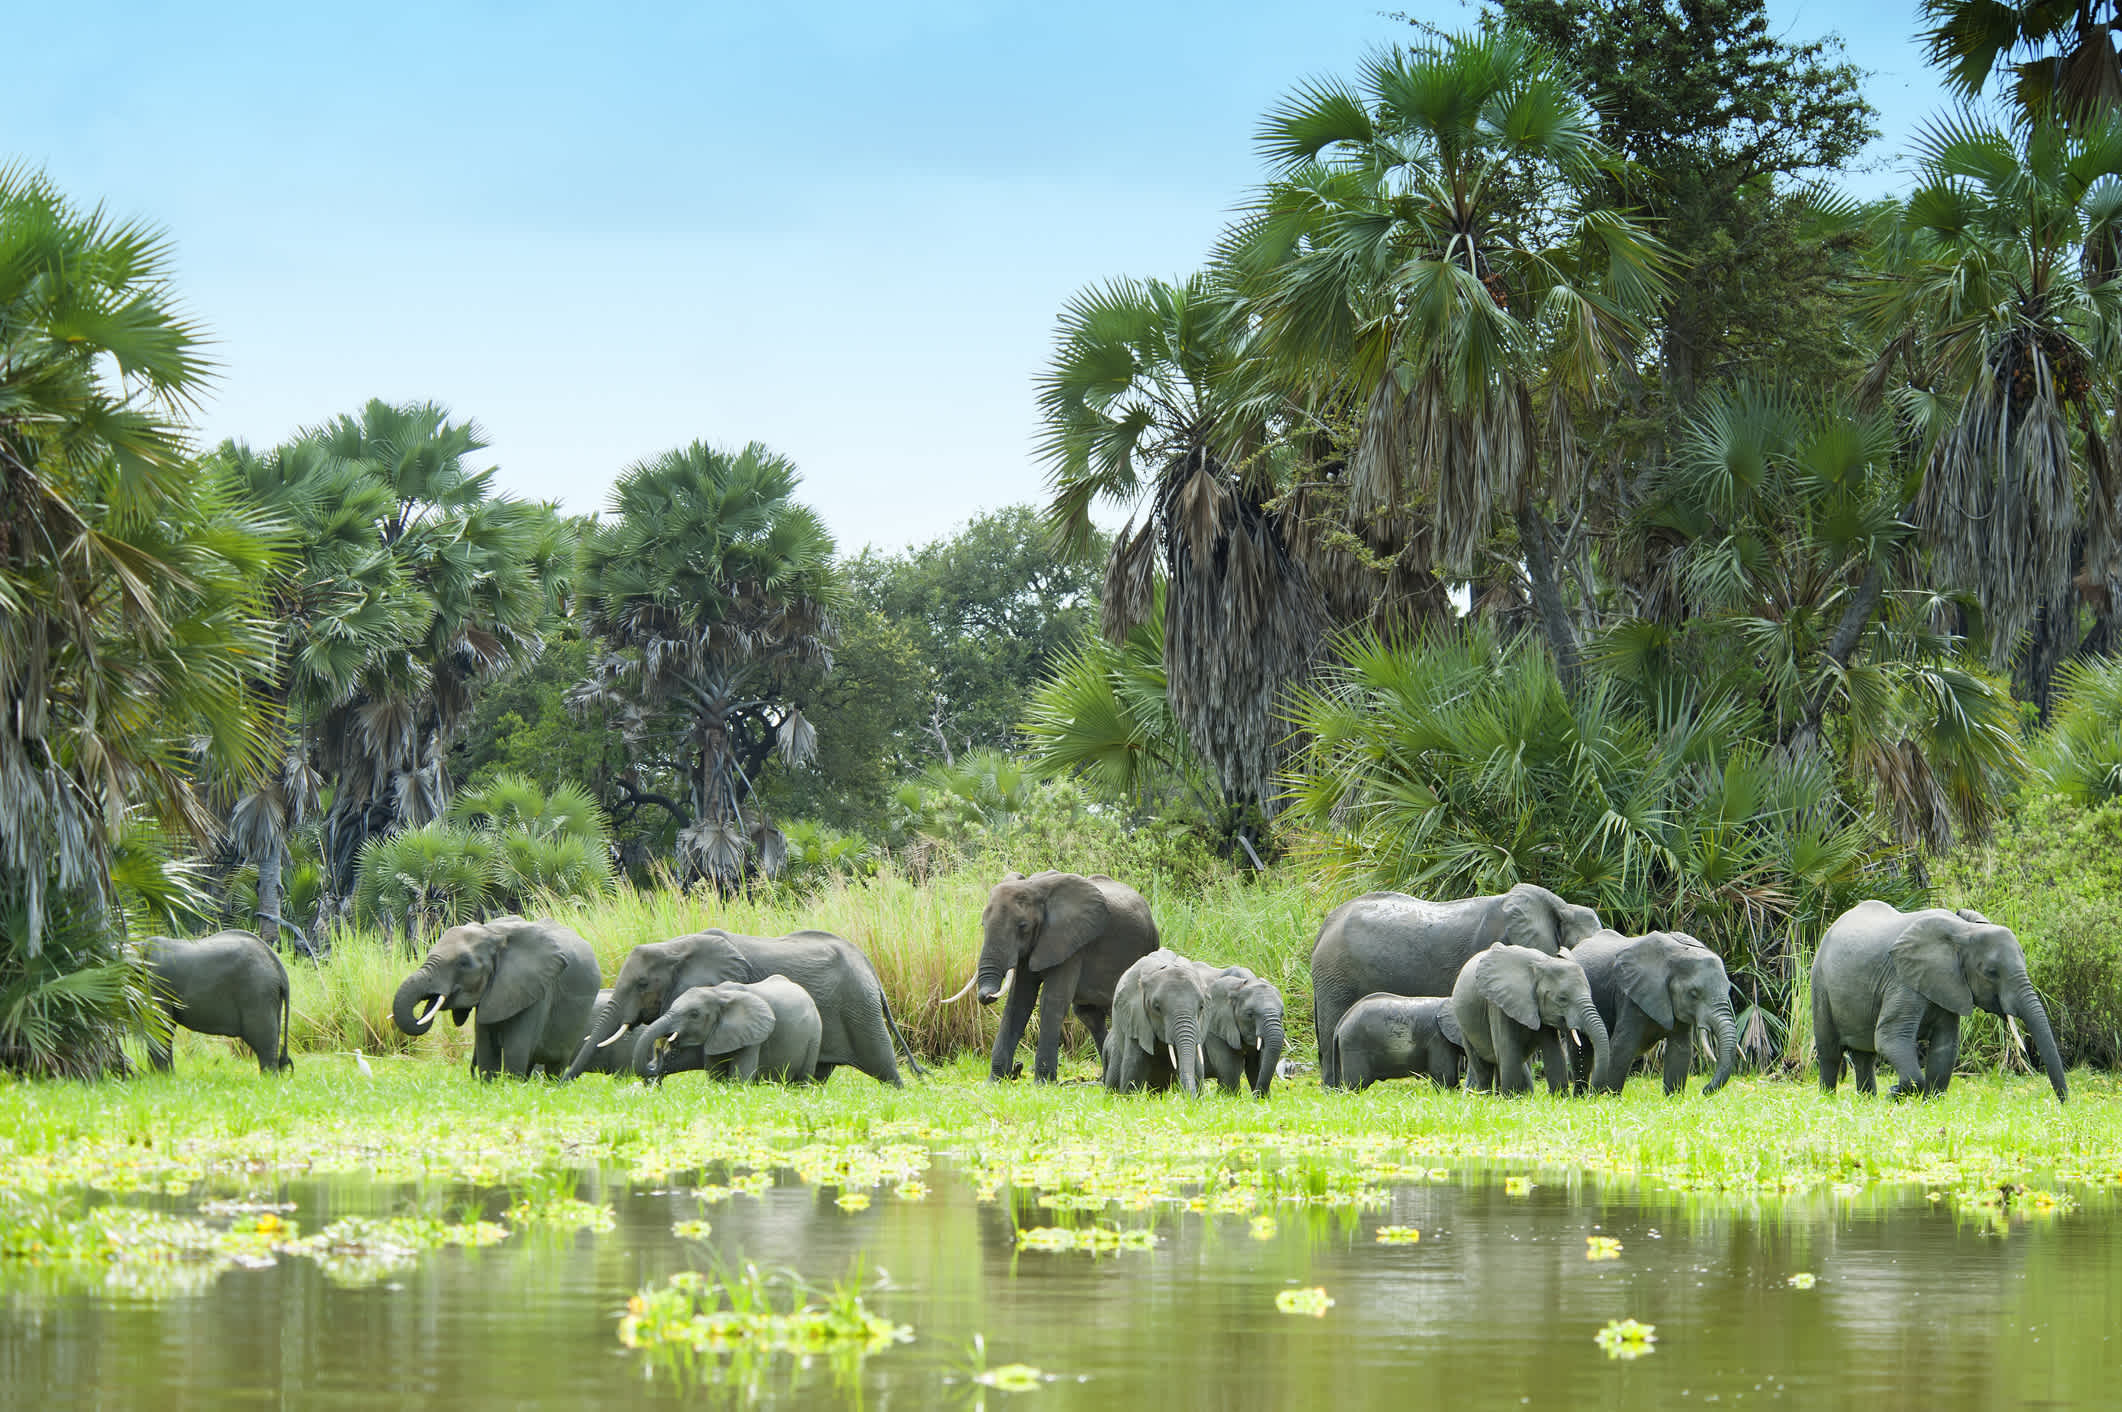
893 1025
285 1014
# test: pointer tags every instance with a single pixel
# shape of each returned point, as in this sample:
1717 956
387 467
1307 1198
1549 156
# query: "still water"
1913 1305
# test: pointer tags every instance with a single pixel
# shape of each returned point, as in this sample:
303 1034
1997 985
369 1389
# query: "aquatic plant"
1626 1338
1314 1301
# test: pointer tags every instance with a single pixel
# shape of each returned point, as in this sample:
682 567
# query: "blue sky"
603 231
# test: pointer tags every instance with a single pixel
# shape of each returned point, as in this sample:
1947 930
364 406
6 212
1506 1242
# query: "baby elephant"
767 1029
1509 998
1664 985
229 983
1396 1037
1156 1025
1241 1029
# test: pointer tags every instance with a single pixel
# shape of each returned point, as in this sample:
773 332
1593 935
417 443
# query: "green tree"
1435 241
128 625
2060 54
708 585
872 709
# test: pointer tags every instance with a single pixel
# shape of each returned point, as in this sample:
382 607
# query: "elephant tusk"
434 1003
1173 1055
1007 977
969 983
615 1034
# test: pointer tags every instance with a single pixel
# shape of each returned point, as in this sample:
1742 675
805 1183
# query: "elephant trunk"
1727 1032
652 1042
603 1027
2026 1007
992 979
1270 1057
1587 1023
1186 1040
405 1012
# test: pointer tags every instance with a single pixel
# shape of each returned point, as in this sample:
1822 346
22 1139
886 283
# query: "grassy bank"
924 939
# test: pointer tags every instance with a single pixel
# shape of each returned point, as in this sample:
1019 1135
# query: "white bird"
361 1063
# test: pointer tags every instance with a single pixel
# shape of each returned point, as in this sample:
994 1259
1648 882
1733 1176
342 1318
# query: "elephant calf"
230 984
1510 998
1886 982
1241 1030
1660 986
1155 1037
1396 1037
764 1029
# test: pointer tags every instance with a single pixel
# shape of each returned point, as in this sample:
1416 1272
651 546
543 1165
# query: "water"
1915 1306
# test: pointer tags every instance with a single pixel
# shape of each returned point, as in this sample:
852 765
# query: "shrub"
2080 754
2053 874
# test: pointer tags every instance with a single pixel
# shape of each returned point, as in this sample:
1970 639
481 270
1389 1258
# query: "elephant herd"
1401 987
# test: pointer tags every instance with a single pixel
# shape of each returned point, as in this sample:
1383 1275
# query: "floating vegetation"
691 1230
731 1327
1601 1248
1804 1279
561 1213
1626 1338
1090 1240
1014 1377
1398 1235
852 1201
1313 1301
362 1250
911 1191
1517 1186
1264 1228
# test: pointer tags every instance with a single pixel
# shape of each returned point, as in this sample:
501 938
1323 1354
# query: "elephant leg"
262 1034
1055 996
1093 1018
1827 1044
1627 1041
1328 1006
1016 1014
519 1038
1508 1037
1223 1063
748 1063
1679 1057
821 1071
1480 1074
874 1052
1863 1071
486 1051
1944 1053
1443 1066
1900 1017
158 1051
1554 1061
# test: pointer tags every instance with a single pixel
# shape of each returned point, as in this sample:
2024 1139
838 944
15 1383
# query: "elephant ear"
1506 982
1075 917
1927 959
1641 970
746 1020
1131 1009
1969 914
1448 1025
529 965
1528 920
1222 1009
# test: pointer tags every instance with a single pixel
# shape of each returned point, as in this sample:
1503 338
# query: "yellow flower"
1313 1301
1517 1186
1626 1338
1398 1235
853 1201
1601 1248
1802 1280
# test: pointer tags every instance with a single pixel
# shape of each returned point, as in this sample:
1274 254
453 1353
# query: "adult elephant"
857 1027
527 984
1662 985
1156 1025
628 1058
230 984
1057 940
1510 999
1401 945
1887 983
1241 1029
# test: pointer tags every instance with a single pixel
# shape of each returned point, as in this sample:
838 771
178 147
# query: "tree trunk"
268 909
1547 597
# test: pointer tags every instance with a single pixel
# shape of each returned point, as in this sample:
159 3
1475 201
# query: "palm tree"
1148 401
488 572
2060 53
707 584
2002 325
127 627
1429 245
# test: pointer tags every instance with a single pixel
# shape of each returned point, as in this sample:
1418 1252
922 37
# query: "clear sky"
606 230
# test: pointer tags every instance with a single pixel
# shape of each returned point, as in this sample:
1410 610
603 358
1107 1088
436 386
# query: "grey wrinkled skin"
1390 943
1155 1040
1241 1029
1659 986
1397 1037
229 984
1068 937
527 985
1510 1000
765 1029
857 1025
1891 984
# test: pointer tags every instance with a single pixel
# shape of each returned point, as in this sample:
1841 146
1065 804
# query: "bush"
2080 754
2053 874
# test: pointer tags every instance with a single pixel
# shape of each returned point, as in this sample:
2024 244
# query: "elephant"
230 983
1063 939
530 984
1401 945
1508 998
857 1024
1663 985
1398 1036
1241 1029
1156 1028
1887 981
618 1058
762 1029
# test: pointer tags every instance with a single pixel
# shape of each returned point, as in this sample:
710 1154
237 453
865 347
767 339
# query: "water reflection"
1915 1305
